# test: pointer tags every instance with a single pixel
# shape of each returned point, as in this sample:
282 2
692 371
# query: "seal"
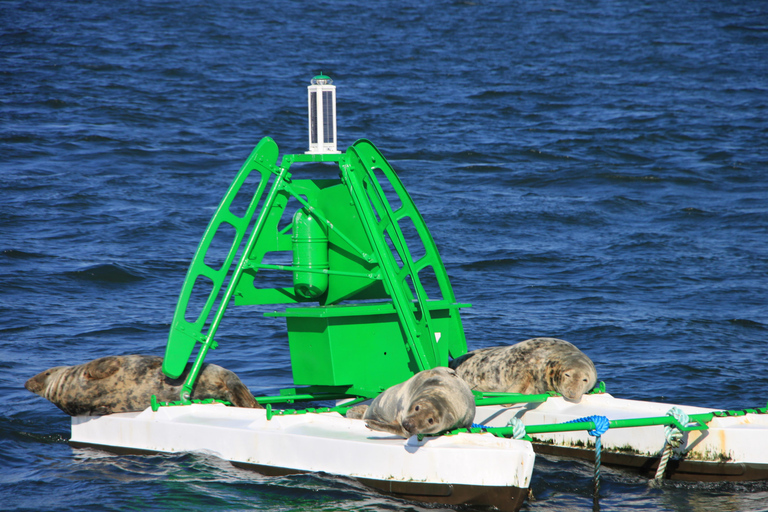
431 401
532 366
126 383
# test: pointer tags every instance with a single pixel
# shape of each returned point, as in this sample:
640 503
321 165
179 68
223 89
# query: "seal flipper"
393 427
455 363
357 412
101 368
240 395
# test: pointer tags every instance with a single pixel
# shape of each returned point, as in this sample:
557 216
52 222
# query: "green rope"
155 404
341 409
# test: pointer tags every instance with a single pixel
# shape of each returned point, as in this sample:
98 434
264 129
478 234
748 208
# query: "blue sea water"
593 171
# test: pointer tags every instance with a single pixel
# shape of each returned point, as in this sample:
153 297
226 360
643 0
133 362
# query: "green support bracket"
184 334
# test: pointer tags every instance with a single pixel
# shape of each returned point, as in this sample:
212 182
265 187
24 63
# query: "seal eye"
417 408
431 421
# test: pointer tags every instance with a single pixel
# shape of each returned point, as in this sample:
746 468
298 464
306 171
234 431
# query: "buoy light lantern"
322 115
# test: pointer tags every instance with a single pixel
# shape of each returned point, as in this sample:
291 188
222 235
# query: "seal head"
429 402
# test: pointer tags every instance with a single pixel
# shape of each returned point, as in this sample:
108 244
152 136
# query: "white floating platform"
477 469
732 448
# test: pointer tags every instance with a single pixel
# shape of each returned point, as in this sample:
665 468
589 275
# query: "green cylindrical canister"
310 251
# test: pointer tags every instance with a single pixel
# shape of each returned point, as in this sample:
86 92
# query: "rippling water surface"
594 171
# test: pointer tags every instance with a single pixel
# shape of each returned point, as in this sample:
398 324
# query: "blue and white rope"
602 424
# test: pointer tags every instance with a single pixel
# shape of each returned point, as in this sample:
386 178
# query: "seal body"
126 383
431 401
533 366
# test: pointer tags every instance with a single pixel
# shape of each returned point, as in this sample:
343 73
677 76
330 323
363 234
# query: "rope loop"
602 424
518 428
671 432
674 439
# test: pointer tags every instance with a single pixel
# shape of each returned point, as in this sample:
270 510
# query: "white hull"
467 468
731 448
478 468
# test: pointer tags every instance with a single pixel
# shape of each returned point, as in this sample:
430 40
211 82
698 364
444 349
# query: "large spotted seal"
533 366
431 401
126 383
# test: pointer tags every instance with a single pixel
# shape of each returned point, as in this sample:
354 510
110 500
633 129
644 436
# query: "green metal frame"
372 323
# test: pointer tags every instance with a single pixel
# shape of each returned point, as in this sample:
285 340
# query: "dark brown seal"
533 366
126 383
431 401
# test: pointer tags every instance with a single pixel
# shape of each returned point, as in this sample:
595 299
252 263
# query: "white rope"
673 439
518 428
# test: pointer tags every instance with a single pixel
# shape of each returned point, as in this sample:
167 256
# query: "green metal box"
363 345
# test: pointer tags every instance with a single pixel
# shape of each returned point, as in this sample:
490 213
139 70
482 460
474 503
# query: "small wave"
718 156
746 28
490 264
743 322
694 211
55 103
97 138
539 154
21 255
495 94
124 329
627 177
108 273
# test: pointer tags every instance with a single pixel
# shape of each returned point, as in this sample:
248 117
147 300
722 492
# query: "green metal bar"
368 159
186 389
315 213
352 175
305 397
290 268
700 421
409 266
184 335
311 157
512 398
341 409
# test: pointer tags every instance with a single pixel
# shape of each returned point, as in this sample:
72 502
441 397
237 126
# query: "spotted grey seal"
431 401
126 383
532 366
